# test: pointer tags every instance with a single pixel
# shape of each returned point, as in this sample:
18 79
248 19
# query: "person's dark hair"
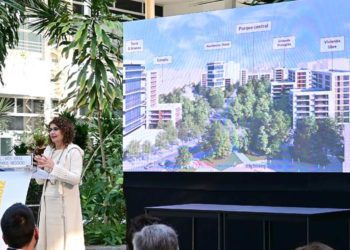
66 127
18 225
156 236
136 224
315 246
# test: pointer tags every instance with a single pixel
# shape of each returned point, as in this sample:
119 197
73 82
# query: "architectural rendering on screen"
255 89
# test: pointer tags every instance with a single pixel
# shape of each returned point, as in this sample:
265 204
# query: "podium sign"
21 161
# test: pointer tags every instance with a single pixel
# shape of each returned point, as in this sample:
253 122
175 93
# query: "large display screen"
254 89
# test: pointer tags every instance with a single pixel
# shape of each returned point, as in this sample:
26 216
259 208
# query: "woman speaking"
61 224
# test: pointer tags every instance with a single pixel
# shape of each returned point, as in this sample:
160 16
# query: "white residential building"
312 102
166 112
280 87
280 74
215 75
204 80
231 72
27 76
243 77
151 92
246 76
337 81
301 78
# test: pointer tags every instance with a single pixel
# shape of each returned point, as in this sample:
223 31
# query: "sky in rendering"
183 38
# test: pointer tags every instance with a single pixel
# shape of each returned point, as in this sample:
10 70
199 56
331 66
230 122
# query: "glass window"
38 106
5 146
132 85
78 8
16 123
19 105
132 115
54 104
29 41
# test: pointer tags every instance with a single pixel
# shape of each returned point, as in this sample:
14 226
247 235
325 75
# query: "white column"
230 4
150 9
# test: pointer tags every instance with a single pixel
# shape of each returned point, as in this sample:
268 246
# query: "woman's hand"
44 162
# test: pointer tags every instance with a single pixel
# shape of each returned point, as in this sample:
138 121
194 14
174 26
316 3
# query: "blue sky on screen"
183 37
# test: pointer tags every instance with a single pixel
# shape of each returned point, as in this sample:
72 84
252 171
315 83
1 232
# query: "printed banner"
331 44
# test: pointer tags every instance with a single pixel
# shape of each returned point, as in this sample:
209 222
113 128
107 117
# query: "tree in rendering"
254 112
134 148
218 139
161 140
184 158
315 140
146 148
170 130
216 98
224 148
11 16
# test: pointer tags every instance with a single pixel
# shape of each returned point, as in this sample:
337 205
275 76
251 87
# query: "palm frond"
5 106
50 19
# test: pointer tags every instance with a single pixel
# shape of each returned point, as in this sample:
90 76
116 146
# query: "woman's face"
56 134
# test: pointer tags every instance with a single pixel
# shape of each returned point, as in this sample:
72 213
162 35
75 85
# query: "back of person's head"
136 224
18 226
315 246
156 237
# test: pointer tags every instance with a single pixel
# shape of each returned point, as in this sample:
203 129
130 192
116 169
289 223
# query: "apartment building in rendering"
247 76
328 96
296 79
151 88
165 112
215 75
300 77
279 74
220 74
231 72
280 87
134 92
243 78
337 81
318 103
204 80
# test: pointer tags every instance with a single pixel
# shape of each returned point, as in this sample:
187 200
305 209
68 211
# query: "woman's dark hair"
67 130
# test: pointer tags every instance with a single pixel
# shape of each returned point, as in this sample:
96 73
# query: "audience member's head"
18 227
156 237
136 224
315 246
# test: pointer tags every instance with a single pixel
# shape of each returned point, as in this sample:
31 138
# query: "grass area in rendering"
221 164
255 157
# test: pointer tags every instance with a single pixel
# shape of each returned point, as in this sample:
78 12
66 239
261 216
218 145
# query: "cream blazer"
61 223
